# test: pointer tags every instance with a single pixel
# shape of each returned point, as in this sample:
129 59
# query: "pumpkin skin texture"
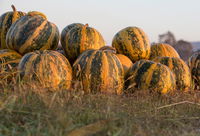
80 38
180 70
194 65
133 43
66 30
9 61
99 72
6 20
163 50
30 33
48 68
126 63
149 75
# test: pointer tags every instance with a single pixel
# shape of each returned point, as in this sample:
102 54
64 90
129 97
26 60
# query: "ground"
38 112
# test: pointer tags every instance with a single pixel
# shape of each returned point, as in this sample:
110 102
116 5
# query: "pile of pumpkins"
28 43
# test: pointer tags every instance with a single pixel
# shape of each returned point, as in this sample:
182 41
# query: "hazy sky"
182 17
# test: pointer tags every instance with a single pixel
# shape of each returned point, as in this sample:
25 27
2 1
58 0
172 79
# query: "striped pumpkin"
99 71
76 38
180 70
194 65
133 43
32 32
126 63
6 20
9 61
163 50
149 75
48 68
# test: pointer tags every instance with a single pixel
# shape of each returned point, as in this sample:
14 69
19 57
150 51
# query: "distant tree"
168 38
184 49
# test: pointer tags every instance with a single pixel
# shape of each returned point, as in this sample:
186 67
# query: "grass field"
31 111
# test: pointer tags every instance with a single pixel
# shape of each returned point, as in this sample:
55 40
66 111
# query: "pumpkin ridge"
141 71
17 31
149 73
32 37
83 38
50 38
95 71
105 71
87 68
119 82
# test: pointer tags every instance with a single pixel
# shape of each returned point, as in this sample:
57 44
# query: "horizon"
109 17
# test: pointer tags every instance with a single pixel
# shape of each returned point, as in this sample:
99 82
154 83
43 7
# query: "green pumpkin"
48 68
6 20
77 38
180 70
163 50
99 71
149 75
133 43
32 32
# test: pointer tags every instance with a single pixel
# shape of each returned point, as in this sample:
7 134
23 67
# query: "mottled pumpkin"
48 68
163 50
133 43
149 75
6 20
99 71
9 61
32 32
194 65
126 63
180 70
76 38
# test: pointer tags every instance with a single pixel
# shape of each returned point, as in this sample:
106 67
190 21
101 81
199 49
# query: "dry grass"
29 110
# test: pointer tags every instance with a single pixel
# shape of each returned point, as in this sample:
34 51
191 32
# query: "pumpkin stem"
13 7
86 25
15 16
108 48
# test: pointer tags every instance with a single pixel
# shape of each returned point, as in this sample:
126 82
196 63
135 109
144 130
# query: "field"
32 111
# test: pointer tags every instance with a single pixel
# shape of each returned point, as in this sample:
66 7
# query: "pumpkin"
194 65
6 20
163 50
126 63
149 75
133 43
76 38
180 70
48 68
99 71
9 60
32 32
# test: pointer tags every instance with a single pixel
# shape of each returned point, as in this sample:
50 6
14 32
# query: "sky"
182 17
